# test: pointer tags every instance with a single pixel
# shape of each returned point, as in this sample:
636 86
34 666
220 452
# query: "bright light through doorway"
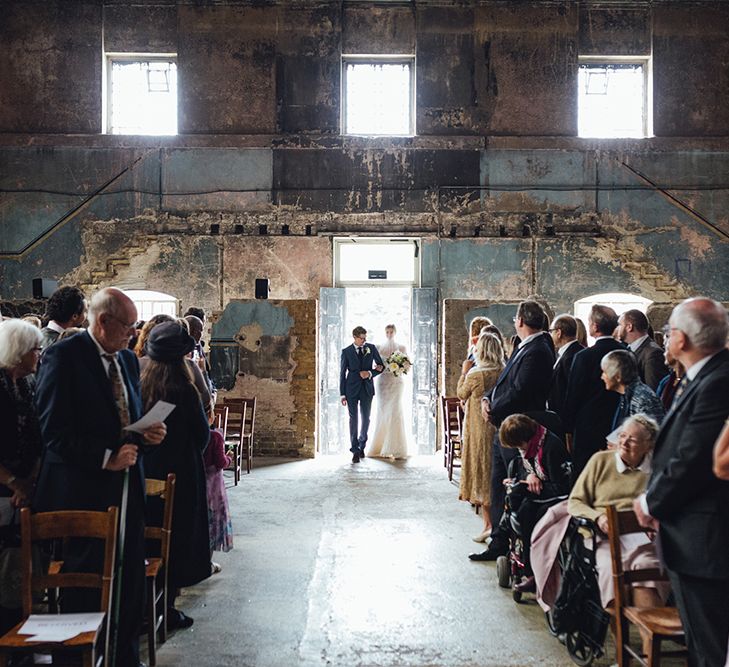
612 100
142 96
378 98
619 302
374 308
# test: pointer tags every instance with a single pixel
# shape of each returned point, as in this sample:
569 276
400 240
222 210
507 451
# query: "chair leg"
152 620
163 626
653 659
88 658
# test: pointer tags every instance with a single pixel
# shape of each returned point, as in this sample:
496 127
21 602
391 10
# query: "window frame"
338 242
110 57
370 59
607 61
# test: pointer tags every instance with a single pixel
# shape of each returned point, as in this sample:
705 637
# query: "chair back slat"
163 532
68 525
221 418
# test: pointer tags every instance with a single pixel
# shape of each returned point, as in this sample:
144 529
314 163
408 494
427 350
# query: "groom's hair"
359 331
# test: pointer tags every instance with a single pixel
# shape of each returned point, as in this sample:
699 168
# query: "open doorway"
618 301
377 283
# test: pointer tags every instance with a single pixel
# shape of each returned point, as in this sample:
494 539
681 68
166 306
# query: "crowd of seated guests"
641 428
67 392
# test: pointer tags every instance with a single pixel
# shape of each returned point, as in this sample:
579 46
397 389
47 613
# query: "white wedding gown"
390 440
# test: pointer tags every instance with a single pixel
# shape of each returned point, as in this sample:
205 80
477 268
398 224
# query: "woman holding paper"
166 378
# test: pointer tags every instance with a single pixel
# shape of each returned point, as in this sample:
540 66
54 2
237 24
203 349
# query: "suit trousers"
86 555
702 604
361 406
501 457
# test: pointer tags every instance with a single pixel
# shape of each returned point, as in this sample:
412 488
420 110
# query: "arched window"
150 303
618 301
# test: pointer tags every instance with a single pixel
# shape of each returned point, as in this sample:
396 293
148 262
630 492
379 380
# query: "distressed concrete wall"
507 201
268 349
483 68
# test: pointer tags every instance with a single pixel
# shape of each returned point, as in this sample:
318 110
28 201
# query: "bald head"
703 322
112 315
195 325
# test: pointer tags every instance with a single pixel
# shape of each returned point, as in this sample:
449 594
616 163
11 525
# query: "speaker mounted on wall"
263 285
43 288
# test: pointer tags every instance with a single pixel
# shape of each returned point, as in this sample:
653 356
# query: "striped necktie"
117 389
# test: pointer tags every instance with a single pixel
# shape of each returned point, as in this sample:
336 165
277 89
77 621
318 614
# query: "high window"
141 94
614 97
378 96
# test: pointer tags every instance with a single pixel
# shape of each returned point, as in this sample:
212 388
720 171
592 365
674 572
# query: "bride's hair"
391 326
489 351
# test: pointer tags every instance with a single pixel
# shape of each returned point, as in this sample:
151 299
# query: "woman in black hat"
166 377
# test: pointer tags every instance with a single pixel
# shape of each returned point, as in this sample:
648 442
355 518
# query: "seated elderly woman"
543 471
617 478
620 374
20 450
610 478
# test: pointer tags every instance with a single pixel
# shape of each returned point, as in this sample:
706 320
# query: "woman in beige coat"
477 377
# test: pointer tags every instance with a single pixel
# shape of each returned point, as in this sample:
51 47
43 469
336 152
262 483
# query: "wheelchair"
514 567
577 617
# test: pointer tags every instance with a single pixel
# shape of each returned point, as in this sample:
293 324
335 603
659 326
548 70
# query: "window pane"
356 260
143 97
611 100
378 98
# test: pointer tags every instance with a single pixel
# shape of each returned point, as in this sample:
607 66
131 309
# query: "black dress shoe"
492 553
177 620
355 458
527 585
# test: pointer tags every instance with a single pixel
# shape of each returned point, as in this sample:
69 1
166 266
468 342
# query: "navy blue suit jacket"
690 502
524 384
79 422
351 385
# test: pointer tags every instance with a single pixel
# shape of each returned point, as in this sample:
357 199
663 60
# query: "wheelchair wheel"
550 623
580 651
503 571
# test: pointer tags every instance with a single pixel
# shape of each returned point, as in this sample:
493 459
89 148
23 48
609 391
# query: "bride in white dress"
390 440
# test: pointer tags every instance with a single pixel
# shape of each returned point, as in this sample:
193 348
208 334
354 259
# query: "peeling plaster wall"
507 201
267 349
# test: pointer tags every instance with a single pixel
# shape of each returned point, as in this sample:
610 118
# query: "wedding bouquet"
398 363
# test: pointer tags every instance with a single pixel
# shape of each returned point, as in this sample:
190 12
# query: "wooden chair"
452 432
659 623
250 426
241 421
93 646
156 568
221 419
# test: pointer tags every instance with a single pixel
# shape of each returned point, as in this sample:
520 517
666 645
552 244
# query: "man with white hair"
684 501
87 392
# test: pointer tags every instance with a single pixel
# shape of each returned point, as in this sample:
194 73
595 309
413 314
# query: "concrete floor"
345 565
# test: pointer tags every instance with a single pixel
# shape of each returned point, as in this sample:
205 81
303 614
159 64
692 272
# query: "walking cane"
119 566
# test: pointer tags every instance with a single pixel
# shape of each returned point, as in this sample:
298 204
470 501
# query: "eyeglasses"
124 324
668 329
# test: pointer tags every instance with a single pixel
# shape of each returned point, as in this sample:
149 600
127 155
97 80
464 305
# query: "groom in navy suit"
360 363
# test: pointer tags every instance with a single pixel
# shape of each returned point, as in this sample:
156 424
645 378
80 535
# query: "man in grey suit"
633 331
685 501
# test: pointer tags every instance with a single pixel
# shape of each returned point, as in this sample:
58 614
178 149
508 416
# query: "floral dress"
221 528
